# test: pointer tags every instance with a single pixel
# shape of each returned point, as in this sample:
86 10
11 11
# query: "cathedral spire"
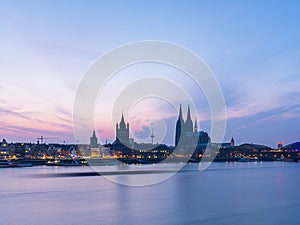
196 126
188 113
122 118
180 113
179 126
188 125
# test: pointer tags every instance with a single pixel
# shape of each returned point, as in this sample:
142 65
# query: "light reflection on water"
226 193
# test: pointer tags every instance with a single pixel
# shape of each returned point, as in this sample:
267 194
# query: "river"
225 193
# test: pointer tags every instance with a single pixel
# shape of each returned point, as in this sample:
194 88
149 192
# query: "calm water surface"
226 193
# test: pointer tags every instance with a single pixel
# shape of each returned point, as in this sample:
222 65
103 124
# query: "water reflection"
261 193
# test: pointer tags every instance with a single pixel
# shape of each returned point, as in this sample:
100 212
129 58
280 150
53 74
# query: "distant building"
232 143
95 151
279 144
94 141
19 150
227 145
4 149
122 132
186 134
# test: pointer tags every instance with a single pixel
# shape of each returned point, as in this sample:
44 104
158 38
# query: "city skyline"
45 55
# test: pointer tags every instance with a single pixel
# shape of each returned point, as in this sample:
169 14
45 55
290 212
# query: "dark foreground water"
226 193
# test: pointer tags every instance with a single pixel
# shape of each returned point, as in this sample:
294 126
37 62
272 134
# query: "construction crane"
42 138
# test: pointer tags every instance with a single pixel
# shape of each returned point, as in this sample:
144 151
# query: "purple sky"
251 46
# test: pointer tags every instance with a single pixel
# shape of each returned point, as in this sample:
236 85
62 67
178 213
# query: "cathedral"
187 134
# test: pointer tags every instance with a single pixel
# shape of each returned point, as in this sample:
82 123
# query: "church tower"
94 141
196 126
188 123
122 132
179 126
232 143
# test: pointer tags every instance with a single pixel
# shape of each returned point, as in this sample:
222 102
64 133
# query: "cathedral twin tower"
185 133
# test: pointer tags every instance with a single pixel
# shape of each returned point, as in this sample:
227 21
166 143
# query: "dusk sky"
252 47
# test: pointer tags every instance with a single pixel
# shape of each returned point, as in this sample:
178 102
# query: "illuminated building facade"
4 149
